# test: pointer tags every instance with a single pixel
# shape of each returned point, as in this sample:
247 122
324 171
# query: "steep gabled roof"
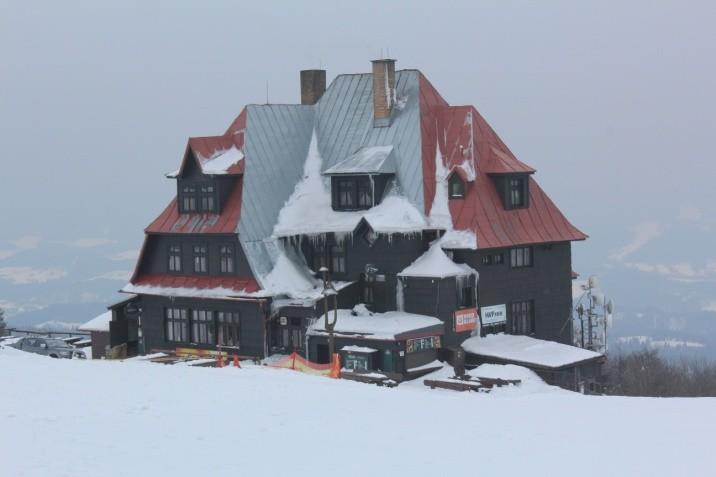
465 140
268 145
217 155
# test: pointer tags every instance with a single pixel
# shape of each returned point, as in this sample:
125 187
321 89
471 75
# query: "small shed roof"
366 160
388 326
526 350
98 323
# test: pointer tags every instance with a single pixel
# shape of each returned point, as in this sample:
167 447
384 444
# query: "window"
175 258
207 198
370 236
465 292
422 344
521 257
202 327
176 325
368 295
338 259
522 317
345 193
188 199
517 192
365 194
228 328
200 259
226 259
495 259
352 192
456 187
318 256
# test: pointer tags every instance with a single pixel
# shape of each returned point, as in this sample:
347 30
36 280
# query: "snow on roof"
309 211
220 162
358 349
436 264
366 160
527 350
98 323
293 280
377 326
440 216
458 239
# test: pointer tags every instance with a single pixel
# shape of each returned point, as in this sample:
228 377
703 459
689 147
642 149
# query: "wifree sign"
493 315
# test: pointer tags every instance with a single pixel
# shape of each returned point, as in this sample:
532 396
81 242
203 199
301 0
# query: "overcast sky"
612 102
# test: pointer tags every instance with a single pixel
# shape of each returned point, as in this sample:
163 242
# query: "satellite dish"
593 282
598 298
610 306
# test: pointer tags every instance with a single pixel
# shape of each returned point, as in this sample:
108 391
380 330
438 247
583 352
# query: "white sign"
493 315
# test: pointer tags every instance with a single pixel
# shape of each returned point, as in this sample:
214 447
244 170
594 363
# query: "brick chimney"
313 85
383 91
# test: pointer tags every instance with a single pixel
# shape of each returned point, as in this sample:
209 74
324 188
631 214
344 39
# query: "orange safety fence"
297 362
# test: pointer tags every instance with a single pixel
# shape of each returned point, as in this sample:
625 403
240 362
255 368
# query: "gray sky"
612 102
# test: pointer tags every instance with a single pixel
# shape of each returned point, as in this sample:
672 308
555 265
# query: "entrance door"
388 361
322 354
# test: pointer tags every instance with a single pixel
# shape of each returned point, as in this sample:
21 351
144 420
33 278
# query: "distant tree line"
2 322
646 373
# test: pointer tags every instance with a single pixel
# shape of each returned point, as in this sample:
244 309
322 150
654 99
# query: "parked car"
52 347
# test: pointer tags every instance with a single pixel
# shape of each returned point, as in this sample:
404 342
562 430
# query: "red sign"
465 319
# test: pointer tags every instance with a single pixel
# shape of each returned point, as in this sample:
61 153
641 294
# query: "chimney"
383 91
313 85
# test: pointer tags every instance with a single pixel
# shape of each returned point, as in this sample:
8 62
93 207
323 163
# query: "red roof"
501 162
240 285
465 139
204 148
171 221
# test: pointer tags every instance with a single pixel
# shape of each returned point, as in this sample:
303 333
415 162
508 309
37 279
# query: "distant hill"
689 334
66 314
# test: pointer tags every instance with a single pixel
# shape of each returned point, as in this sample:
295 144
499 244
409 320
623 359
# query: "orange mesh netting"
299 363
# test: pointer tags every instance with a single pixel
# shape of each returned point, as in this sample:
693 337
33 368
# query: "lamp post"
329 290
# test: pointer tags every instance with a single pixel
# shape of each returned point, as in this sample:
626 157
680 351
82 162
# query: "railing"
48 334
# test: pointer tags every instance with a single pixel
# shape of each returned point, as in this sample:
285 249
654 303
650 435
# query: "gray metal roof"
344 124
366 160
277 140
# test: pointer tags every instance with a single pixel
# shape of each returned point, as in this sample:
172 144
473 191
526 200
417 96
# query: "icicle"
399 296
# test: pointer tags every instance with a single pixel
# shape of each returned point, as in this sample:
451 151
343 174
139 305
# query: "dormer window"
198 196
514 189
352 192
207 199
517 192
346 193
365 194
456 187
188 198
358 182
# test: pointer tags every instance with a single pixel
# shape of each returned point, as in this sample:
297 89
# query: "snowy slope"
62 417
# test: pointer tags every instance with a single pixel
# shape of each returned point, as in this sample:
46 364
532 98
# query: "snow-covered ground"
102 418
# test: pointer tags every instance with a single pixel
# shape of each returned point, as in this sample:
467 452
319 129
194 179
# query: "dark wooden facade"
484 202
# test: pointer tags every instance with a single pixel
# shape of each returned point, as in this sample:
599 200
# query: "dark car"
52 347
